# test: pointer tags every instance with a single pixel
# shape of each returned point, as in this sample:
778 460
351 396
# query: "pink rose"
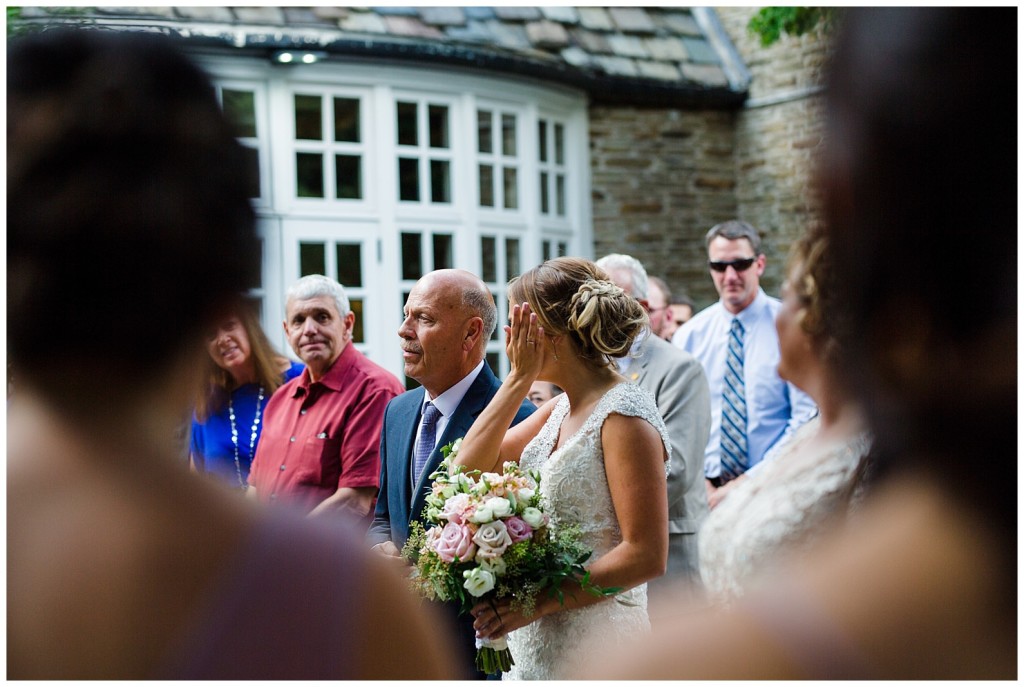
456 541
518 530
457 508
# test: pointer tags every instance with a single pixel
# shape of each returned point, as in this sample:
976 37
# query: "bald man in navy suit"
449 317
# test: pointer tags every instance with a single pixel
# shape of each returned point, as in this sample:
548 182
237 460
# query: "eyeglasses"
740 265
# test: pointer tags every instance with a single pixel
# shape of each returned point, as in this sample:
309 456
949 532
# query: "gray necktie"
425 444
735 453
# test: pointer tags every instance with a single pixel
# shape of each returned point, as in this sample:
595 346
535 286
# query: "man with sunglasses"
736 341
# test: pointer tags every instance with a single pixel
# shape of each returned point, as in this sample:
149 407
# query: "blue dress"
211 447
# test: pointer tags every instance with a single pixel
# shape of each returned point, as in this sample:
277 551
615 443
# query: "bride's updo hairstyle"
575 298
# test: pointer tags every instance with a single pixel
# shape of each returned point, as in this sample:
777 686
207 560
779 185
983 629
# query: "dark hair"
921 198
128 215
575 298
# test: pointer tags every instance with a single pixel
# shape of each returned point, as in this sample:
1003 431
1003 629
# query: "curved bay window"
365 174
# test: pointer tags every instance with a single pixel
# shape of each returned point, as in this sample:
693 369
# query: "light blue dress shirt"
775 408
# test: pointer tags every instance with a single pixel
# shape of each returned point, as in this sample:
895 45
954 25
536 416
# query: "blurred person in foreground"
242 371
791 501
923 584
122 174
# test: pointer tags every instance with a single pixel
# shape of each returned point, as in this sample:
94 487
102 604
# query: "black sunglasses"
741 265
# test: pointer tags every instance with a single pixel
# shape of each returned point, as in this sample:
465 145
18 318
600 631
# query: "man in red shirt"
321 431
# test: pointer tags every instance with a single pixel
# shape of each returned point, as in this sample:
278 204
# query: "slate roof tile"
595 18
411 26
547 34
563 15
517 13
260 15
591 46
443 16
628 46
633 19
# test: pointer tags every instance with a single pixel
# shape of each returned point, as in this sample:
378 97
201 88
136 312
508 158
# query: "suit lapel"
637 369
473 403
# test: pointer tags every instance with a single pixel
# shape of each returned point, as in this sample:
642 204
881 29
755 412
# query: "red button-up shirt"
321 436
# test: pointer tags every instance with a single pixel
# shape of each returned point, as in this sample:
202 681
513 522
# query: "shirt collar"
753 312
449 401
335 374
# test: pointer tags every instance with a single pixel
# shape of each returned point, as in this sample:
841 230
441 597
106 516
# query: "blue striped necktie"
425 444
735 458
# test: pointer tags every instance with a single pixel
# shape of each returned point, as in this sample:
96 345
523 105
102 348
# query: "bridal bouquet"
487 539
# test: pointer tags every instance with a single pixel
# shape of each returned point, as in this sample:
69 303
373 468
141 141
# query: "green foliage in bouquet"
488 538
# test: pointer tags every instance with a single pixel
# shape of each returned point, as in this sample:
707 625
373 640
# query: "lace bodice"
574 491
782 508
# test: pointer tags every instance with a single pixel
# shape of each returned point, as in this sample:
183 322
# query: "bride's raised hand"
524 342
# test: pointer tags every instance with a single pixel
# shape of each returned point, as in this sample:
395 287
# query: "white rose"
499 506
478 581
492 539
526 494
495 565
482 514
456 445
534 517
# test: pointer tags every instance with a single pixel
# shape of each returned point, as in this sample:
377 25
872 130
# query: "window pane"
443 258
407 124
346 120
240 110
348 175
308 119
312 259
487 186
488 259
412 260
559 144
492 358
440 188
511 188
511 258
408 178
545 251
563 249
350 264
508 135
356 304
483 132
560 194
542 139
438 119
544 193
499 333
252 170
309 175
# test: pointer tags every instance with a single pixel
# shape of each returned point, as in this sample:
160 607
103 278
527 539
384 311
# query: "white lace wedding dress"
574 488
781 509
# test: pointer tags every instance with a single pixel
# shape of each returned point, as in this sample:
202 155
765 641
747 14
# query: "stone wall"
777 136
661 178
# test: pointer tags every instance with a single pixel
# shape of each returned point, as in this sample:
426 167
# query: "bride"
601 449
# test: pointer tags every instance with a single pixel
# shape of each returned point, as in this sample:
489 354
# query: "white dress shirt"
775 408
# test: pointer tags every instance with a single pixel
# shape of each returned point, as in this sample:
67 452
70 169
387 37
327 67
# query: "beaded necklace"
252 440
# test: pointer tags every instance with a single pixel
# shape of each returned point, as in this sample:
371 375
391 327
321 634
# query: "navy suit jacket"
397 504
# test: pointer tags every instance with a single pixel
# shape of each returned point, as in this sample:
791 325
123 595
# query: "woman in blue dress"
243 371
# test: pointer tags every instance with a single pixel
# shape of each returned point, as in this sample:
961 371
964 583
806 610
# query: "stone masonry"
661 177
